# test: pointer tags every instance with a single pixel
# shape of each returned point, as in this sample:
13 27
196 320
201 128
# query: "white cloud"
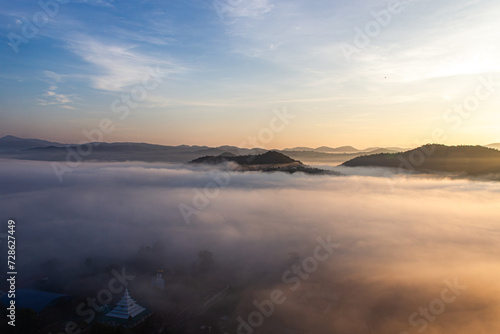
418 44
114 66
52 97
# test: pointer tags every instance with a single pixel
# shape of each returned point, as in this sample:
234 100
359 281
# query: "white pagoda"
126 311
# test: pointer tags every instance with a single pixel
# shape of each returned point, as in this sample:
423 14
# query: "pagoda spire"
126 308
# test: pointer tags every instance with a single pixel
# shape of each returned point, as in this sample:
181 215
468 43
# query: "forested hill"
472 160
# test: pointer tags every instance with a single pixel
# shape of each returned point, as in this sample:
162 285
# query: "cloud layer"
399 240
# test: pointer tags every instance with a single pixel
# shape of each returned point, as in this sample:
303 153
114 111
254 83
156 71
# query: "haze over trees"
472 160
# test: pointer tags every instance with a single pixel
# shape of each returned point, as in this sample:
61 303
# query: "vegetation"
472 160
271 161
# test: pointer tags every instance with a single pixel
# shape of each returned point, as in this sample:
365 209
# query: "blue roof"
36 300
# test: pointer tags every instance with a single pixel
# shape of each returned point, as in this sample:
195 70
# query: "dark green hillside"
473 160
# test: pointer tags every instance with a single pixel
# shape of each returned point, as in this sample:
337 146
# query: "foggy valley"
398 242
249 167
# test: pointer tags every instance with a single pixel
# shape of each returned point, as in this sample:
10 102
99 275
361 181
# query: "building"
126 313
36 300
158 281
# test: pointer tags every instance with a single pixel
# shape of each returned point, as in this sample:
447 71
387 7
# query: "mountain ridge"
468 159
11 143
41 150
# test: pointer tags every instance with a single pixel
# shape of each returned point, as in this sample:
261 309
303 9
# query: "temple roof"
126 308
36 300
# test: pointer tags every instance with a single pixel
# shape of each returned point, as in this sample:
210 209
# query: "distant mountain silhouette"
470 159
227 154
12 144
382 150
298 149
473 160
344 150
325 149
34 149
496 146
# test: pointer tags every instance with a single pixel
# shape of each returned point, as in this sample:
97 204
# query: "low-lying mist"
412 255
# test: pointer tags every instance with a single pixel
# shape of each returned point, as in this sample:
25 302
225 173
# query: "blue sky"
227 64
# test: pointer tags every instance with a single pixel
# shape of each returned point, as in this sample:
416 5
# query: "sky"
361 73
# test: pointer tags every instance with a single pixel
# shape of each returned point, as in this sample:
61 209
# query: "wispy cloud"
418 44
117 66
56 77
52 95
